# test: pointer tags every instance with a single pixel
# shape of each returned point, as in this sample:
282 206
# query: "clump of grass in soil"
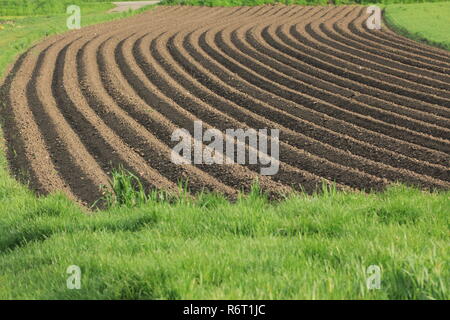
125 190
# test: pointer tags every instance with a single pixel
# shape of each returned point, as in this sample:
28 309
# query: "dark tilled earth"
357 107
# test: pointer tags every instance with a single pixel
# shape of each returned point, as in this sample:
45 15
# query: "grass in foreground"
426 22
312 247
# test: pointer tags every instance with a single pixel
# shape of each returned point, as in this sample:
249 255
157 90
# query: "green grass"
153 246
311 247
427 22
19 33
126 190
43 7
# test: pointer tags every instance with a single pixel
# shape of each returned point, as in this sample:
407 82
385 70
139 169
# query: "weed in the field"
125 190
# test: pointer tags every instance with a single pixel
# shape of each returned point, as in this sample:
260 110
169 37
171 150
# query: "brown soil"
356 107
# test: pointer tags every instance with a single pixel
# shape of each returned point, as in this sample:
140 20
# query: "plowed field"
362 108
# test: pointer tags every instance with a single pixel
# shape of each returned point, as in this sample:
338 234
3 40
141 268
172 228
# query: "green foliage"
304 247
19 33
44 7
125 190
426 22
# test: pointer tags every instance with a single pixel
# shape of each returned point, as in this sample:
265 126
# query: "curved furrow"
265 72
339 35
381 39
394 40
259 108
76 165
59 163
280 41
250 39
212 109
236 176
288 174
372 108
161 127
221 88
169 110
309 122
347 33
332 30
99 139
359 36
439 157
431 88
134 134
304 48
364 71
239 64
355 107
326 66
206 113
29 156
296 41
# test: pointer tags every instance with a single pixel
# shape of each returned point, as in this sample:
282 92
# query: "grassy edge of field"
310 247
400 18
20 33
